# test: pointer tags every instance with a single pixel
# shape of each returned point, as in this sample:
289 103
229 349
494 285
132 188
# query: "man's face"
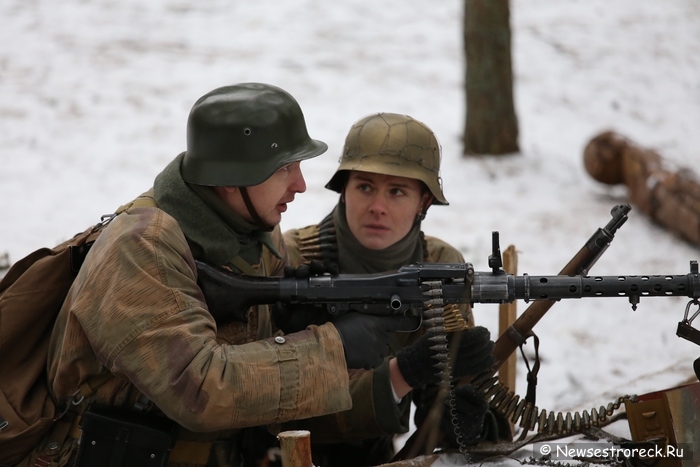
381 209
270 198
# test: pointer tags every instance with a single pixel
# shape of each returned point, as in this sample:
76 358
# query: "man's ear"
223 192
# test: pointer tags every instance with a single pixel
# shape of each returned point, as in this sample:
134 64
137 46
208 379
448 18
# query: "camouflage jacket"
135 311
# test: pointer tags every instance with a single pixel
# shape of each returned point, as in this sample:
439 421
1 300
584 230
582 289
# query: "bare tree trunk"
491 124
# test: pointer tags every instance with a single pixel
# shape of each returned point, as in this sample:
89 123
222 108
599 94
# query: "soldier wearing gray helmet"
388 177
138 323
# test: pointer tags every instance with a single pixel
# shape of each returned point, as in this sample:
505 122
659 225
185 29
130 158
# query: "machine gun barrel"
408 288
526 287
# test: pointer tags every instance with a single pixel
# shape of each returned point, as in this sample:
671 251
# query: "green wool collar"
214 232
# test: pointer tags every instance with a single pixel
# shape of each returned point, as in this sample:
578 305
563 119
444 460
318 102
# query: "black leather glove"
474 356
468 410
294 318
366 338
217 294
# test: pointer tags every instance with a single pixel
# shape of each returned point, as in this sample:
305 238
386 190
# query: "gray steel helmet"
392 144
240 135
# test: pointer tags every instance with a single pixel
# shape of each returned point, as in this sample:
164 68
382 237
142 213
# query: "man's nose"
298 184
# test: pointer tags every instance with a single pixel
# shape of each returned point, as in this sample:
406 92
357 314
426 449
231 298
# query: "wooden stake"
296 448
507 313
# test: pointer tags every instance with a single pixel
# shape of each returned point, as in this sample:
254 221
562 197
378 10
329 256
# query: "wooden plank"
507 314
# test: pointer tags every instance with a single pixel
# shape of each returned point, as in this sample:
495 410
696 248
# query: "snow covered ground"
94 97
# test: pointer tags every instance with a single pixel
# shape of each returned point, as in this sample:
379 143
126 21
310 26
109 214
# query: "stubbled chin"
273 219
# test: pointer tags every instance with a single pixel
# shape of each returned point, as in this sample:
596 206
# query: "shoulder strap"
89 387
145 200
80 244
243 266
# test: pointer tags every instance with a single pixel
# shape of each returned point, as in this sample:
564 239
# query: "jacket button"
280 340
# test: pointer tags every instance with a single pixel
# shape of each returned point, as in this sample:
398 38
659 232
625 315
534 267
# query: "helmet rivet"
247 131
273 145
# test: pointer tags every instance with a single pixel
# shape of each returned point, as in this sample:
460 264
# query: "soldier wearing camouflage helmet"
388 177
392 144
148 331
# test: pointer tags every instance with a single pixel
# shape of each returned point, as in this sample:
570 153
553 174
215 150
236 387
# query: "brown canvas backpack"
31 295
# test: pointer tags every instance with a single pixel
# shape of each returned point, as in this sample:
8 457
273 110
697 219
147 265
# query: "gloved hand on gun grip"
366 338
467 412
294 318
473 356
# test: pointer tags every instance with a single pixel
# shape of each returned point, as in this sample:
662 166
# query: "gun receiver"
408 288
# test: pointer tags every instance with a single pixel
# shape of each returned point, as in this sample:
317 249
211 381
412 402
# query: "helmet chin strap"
424 211
253 213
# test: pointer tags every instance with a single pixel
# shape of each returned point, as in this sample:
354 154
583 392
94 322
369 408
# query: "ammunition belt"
319 243
504 401
439 321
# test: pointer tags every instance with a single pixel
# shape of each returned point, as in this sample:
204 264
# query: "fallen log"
670 196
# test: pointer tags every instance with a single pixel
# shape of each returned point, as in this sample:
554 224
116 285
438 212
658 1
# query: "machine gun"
412 286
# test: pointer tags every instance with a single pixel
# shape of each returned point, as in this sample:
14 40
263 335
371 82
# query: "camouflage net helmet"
242 134
392 144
